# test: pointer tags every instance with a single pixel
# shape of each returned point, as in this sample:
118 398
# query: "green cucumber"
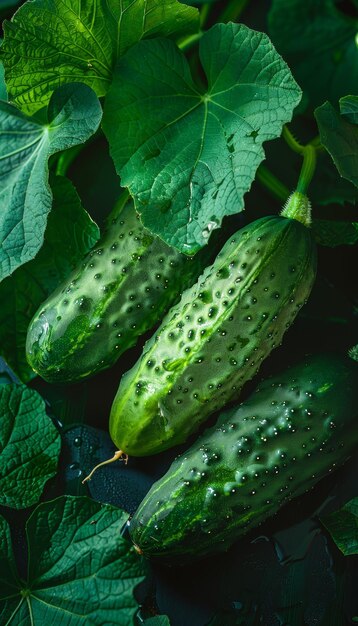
216 337
293 430
118 292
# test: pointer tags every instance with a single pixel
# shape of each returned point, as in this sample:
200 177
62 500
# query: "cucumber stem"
119 455
308 168
298 207
308 152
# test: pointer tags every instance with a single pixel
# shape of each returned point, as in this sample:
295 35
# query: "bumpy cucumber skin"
216 337
121 289
282 440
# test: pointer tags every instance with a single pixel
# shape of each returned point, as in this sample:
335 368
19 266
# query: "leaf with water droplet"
217 135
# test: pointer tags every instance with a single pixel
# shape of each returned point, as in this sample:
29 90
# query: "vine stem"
231 13
309 154
272 183
190 41
291 141
204 14
308 168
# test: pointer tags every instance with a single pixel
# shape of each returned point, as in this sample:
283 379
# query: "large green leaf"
319 44
69 234
74 114
29 446
189 157
343 526
81 572
52 42
340 138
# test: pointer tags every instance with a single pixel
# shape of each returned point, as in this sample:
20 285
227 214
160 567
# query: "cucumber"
216 337
293 430
118 292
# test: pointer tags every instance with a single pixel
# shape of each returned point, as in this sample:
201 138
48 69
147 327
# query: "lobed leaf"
52 42
29 446
74 114
186 156
69 235
81 571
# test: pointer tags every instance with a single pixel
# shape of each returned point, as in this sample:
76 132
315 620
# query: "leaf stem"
190 41
204 14
272 183
233 10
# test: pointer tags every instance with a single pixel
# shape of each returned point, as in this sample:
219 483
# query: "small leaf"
319 44
70 233
189 157
29 446
74 114
343 526
349 108
51 43
81 570
330 233
340 138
